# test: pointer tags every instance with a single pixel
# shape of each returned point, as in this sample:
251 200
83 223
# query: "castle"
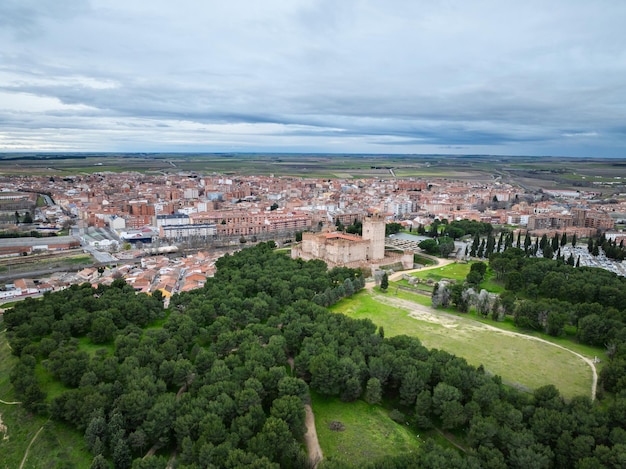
341 249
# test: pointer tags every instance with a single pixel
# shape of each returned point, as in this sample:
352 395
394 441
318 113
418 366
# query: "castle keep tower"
374 232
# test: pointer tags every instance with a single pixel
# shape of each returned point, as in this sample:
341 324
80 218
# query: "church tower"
374 232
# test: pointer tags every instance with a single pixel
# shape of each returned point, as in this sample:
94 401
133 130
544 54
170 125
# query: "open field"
458 272
453 271
520 361
369 433
532 173
57 446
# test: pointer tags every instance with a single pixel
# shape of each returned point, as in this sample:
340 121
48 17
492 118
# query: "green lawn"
454 271
368 433
520 361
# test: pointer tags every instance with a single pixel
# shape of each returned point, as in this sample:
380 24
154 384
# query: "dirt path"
29 445
310 438
432 315
9 403
440 263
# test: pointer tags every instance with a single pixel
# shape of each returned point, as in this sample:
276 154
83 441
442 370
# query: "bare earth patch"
310 438
3 429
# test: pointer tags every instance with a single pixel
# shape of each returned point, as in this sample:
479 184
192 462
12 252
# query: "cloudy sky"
376 76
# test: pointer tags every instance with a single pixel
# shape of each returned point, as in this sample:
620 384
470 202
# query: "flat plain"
532 173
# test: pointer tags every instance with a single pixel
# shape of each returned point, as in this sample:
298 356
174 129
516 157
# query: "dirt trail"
429 314
310 438
440 263
29 445
9 403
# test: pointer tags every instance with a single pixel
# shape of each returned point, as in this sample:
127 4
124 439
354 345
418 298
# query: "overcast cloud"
393 76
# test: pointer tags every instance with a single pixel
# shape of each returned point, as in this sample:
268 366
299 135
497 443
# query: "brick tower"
374 232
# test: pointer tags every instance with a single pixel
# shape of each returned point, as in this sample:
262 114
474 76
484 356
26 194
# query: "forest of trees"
211 378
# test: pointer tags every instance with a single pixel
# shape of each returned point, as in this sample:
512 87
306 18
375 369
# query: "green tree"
384 282
446 246
430 246
548 252
555 242
423 408
103 330
373 391
326 374
291 410
99 462
392 228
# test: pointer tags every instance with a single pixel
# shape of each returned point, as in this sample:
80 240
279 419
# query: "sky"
498 77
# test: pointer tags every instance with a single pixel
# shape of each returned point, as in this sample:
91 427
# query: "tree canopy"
221 377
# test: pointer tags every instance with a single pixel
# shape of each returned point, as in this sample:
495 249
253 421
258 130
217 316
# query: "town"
165 231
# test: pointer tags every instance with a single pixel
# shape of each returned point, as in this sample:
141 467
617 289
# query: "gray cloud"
366 76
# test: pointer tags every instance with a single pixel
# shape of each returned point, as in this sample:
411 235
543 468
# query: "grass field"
458 272
57 446
369 433
454 271
520 361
